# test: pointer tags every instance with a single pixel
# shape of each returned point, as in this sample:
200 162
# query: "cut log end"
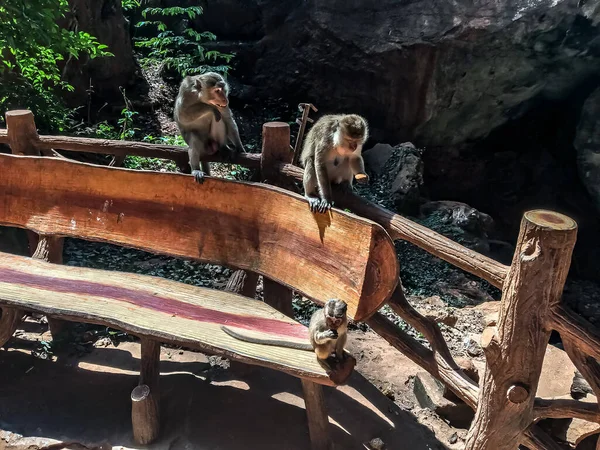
517 394
144 415
140 393
19 113
550 220
275 125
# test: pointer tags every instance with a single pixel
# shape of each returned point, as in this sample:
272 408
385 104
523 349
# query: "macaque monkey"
205 121
332 153
327 333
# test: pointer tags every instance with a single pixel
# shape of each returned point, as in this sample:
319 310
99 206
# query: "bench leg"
316 412
145 405
10 318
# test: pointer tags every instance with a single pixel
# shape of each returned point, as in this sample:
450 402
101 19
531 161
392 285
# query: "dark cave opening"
528 163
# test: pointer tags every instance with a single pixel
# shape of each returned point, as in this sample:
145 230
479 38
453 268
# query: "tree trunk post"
515 349
145 405
275 150
243 282
50 249
144 415
23 139
10 318
316 413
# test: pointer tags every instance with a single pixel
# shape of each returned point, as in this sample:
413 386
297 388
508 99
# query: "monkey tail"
273 342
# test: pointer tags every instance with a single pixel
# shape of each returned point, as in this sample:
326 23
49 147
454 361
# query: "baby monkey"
332 153
327 332
205 120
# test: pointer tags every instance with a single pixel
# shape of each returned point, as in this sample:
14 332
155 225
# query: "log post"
145 405
23 139
515 350
243 282
316 413
10 318
144 415
276 150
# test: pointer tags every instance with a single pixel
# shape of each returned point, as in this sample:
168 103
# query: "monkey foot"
198 176
318 205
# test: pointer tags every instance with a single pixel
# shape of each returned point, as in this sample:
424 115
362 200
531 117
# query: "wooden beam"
515 351
276 149
236 224
565 409
316 413
400 227
572 326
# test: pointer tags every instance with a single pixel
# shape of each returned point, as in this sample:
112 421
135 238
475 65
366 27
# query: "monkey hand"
198 176
318 205
362 178
331 334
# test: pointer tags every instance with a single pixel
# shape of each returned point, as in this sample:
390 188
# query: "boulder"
377 157
587 143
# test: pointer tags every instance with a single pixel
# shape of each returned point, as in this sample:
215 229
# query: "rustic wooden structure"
505 401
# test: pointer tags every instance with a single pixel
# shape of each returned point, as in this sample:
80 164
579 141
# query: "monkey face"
214 89
335 313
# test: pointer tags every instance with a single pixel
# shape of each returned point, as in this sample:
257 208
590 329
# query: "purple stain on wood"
154 302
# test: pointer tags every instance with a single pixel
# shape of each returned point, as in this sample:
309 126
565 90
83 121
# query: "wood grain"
402 228
248 226
159 309
316 414
516 350
145 417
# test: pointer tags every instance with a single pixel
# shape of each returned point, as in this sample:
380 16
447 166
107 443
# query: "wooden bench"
255 227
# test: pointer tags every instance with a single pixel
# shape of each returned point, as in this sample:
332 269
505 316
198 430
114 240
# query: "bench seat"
163 310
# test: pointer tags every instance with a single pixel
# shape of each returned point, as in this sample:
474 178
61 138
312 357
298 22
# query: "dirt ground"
204 404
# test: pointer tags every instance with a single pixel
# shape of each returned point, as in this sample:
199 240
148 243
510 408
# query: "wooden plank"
159 309
316 413
248 226
402 228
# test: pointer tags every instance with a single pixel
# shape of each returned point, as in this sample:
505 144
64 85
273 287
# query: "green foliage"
32 49
180 51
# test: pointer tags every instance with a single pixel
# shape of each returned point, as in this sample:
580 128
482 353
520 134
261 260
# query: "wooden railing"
530 307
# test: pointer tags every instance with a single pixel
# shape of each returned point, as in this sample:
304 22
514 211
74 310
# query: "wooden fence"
530 308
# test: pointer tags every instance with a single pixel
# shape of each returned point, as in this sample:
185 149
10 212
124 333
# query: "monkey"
205 121
327 333
332 152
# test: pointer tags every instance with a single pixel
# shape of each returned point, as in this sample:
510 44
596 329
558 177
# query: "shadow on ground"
86 400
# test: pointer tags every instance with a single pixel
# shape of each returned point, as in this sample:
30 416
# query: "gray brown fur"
205 121
325 337
326 161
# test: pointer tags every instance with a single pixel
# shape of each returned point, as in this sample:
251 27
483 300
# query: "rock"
377 157
407 186
447 80
557 373
489 311
587 143
472 347
453 439
460 215
579 430
580 387
430 395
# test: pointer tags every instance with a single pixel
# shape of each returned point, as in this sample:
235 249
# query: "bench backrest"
244 225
